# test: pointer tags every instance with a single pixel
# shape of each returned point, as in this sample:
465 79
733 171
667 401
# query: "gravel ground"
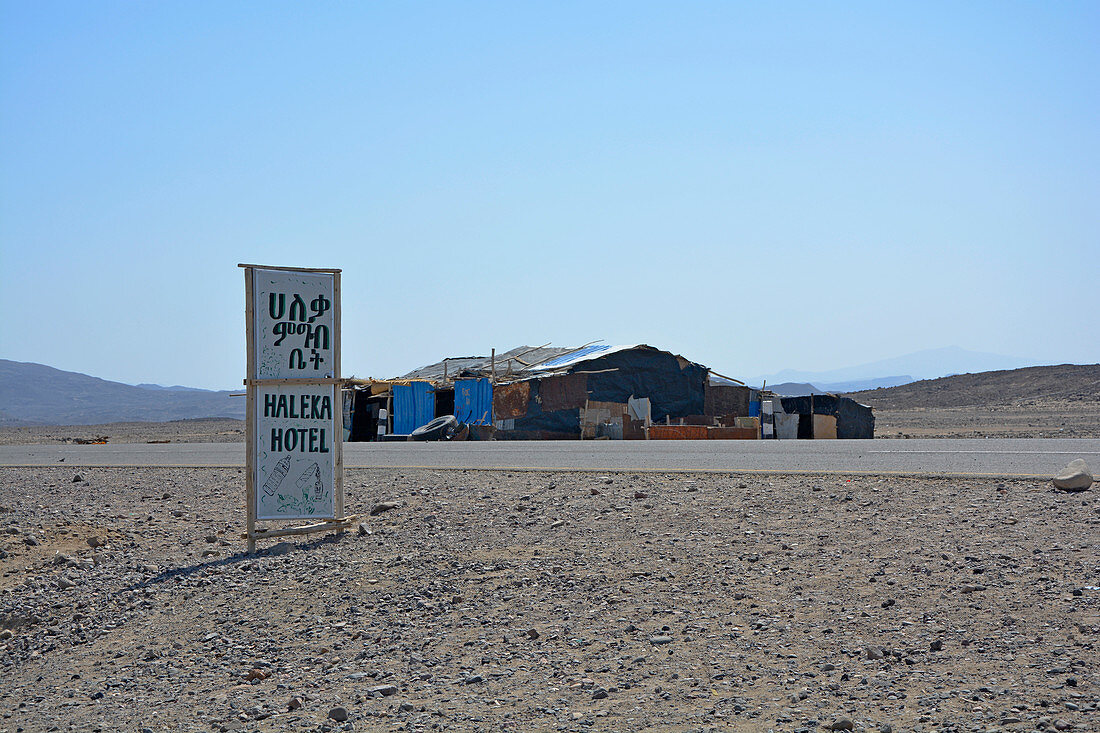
1054 420
511 601
205 430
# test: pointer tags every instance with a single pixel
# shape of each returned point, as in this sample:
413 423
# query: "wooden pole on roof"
723 376
493 367
444 370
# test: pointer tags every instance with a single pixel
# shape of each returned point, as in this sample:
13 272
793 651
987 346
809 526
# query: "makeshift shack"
828 416
597 391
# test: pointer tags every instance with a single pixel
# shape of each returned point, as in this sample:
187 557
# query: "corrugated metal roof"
510 362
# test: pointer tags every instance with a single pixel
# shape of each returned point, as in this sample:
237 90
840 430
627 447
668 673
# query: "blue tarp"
413 406
474 401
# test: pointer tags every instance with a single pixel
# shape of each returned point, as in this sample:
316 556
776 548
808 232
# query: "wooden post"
250 414
338 442
811 415
493 367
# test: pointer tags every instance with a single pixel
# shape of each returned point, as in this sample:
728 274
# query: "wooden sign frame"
338 522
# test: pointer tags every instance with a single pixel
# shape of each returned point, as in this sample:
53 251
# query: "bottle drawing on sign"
313 473
277 476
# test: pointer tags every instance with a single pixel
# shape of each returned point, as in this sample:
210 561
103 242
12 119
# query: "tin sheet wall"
474 401
413 406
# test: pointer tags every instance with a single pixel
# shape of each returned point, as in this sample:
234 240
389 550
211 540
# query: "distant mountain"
173 388
35 394
794 389
860 384
927 364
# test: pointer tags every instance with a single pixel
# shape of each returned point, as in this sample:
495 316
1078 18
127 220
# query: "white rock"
1074 477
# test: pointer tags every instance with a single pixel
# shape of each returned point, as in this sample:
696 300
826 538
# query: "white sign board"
295 451
295 324
295 425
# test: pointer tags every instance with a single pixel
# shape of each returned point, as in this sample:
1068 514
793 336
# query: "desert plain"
535 601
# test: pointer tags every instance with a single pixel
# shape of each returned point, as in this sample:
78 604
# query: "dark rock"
383 690
383 506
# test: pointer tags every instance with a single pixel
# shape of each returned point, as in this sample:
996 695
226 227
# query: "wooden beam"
292 269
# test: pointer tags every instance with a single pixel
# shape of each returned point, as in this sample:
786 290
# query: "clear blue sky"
756 186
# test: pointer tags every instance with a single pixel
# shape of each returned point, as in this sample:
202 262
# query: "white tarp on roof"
588 353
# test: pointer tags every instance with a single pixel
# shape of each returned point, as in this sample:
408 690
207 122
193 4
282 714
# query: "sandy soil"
206 430
536 601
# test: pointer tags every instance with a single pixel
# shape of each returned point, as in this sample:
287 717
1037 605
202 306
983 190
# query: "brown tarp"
598 413
824 426
565 392
726 400
510 400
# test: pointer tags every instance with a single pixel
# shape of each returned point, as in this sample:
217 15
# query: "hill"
1035 402
1015 387
35 394
927 364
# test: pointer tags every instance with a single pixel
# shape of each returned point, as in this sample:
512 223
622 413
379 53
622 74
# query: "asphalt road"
994 457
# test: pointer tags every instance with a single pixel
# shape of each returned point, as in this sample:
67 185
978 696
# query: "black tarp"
853 420
673 390
364 415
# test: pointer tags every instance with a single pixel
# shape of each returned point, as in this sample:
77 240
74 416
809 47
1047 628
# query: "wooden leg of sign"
338 396
250 417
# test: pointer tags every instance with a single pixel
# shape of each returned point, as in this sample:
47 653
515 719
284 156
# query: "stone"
362 530
599 693
95 541
1074 477
77 479
64 583
842 723
383 506
294 704
339 714
936 645
474 679
532 633
30 540
872 652
660 639
383 690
